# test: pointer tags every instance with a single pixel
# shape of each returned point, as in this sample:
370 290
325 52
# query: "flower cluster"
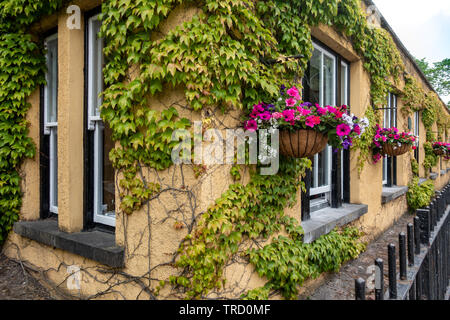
289 112
392 136
443 146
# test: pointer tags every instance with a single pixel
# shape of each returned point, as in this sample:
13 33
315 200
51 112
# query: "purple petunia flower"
270 107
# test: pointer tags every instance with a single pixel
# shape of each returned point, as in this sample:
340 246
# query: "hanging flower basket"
391 142
394 150
441 148
302 143
305 128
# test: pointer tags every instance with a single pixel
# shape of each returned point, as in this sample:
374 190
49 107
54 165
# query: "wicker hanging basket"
302 143
394 150
439 152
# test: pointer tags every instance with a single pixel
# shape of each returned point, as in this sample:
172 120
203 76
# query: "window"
51 118
101 184
389 121
321 86
344 99
416 133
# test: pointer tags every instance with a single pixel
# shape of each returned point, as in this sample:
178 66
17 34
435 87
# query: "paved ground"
341 286
18 284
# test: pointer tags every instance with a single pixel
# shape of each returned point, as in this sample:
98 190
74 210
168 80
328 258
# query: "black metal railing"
424 257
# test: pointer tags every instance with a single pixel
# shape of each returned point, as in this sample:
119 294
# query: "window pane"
314 79
328 76
108 173
96 68
323 168
54 167
52 80
344 85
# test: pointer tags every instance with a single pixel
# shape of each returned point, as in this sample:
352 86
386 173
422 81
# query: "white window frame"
416 127
51 129
387 123
95 124
327 188
346 102
93 99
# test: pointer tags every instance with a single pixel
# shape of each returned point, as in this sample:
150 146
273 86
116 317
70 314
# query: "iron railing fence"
424 257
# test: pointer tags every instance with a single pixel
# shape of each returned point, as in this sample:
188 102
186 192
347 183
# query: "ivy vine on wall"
22 70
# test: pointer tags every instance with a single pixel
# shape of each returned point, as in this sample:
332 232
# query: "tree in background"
438 74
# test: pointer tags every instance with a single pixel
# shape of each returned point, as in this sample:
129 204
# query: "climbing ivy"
419 196
288 262
254 211
22 69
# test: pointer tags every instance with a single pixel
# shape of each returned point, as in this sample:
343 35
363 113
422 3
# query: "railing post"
410 233
441 206
419 287
402 254
412 291
379 279
360 289
392 272
433 209
424 216
416 235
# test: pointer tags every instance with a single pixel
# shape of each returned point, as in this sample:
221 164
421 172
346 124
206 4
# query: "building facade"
72 226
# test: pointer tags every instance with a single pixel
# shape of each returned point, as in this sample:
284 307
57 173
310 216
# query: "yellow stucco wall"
148 235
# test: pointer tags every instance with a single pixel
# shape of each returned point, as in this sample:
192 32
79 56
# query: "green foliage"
414 167
253 211
22 69
431 159
364 143
438 74
419 196
288 262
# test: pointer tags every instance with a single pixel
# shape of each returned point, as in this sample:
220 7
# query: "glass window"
51 117
389 121
103 180
322 86
416 133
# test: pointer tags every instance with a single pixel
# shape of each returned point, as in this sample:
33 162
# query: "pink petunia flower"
321 111
251 125
293 92
343 130
311 121
289 115
265 116
277 115
331 109
303 112
290 102
258 108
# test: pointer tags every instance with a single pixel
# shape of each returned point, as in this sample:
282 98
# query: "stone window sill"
391 193
325 220
95 245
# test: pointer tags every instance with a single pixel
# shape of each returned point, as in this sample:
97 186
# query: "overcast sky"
422 25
